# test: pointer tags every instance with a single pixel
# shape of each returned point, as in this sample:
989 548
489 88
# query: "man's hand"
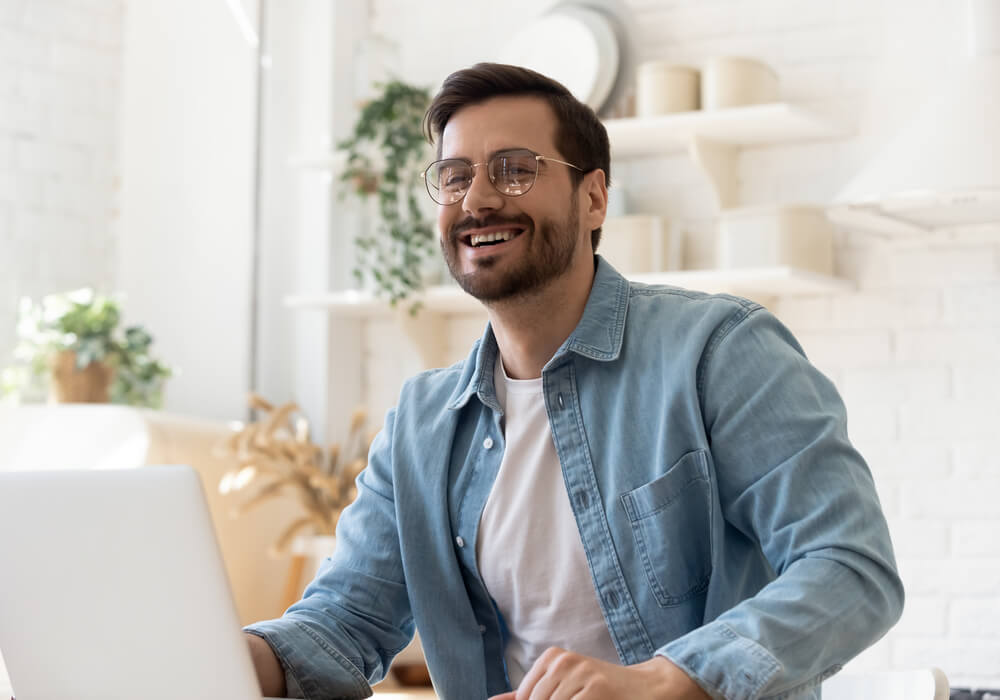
559 675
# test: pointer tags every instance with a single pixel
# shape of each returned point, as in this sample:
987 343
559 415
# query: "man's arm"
270 674
355 615
788 477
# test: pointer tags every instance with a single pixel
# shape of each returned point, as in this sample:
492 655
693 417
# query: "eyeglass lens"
511 172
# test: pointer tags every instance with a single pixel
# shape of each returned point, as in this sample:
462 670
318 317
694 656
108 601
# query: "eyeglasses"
512 173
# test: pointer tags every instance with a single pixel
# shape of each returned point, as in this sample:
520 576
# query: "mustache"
492 220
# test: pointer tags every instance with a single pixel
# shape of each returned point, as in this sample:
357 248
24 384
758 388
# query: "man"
625 491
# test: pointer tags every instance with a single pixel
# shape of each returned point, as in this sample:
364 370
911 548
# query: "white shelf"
352 303
753 282
756 125
738 126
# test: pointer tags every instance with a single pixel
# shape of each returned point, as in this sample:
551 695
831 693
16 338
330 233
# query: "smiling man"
625 491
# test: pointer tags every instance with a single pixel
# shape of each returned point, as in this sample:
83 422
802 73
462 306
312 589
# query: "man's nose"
482 195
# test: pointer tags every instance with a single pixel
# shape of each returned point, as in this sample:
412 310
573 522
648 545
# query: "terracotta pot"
91 384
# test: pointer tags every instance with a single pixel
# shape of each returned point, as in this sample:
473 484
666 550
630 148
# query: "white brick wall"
914 350
59 68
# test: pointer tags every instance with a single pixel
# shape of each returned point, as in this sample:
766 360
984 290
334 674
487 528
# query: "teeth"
479 238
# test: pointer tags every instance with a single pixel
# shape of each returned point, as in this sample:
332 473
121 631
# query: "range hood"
943 168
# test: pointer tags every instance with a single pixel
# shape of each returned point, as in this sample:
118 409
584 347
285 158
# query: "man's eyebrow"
491 154
508 149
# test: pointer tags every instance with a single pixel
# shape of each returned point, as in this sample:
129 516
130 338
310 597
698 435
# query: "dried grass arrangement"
275 457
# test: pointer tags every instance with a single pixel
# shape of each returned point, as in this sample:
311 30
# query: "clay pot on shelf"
68 384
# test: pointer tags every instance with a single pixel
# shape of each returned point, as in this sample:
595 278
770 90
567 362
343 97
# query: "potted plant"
384 155
72 345
276 456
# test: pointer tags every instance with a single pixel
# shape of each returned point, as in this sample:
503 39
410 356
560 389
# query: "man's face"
544 223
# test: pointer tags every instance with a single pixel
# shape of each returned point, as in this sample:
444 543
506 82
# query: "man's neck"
530 330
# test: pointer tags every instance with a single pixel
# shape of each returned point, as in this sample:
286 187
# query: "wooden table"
390 689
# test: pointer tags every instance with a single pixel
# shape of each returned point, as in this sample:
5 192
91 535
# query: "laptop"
112 586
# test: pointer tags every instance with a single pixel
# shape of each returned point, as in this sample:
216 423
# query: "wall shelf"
758 283
713 138
756 125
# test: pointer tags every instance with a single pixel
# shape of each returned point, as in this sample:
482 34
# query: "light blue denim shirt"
728 523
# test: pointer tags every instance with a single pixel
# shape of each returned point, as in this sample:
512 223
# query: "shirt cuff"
725 665
313 669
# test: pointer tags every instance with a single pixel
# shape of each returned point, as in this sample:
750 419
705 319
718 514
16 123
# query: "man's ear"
595 189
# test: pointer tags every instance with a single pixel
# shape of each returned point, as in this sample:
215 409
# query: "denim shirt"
728 523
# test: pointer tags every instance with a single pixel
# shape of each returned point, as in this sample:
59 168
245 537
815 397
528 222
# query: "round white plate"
576 46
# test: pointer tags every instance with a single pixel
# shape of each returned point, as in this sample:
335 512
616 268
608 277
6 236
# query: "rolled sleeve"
712 653
311 666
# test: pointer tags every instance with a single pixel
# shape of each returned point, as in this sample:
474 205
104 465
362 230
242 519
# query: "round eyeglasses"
512 173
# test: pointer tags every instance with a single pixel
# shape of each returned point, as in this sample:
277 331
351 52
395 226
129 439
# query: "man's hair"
580 136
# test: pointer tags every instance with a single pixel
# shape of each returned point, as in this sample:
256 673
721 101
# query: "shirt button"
482 629
459 541
488 443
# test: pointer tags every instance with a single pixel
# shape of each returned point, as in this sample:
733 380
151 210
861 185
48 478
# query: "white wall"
187 158
308 106
913 350
59 86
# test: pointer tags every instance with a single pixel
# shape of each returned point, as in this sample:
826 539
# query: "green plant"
86 324
384 155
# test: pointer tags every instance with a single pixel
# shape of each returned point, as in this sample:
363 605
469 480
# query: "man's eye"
456 182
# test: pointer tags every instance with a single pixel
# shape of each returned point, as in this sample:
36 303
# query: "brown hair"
580 136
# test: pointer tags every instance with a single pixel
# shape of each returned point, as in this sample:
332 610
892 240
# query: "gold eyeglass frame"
473 166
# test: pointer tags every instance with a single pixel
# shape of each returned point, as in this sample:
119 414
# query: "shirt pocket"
671 520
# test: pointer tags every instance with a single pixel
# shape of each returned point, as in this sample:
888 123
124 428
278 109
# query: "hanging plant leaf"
388 130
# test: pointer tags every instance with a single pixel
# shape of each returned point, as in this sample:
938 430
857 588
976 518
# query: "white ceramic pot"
730 81
664 88
794 235
635 244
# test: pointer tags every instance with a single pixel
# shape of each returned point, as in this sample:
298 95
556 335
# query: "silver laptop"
112 586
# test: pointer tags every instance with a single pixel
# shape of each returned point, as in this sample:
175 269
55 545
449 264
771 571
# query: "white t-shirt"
529 550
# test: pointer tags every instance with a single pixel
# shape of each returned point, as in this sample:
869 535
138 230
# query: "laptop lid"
112 586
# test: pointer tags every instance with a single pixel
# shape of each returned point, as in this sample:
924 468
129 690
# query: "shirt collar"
597 336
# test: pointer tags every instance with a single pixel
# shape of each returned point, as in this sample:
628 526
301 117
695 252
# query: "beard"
550 252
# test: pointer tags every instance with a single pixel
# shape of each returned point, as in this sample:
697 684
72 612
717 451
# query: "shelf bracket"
718 162
427 333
